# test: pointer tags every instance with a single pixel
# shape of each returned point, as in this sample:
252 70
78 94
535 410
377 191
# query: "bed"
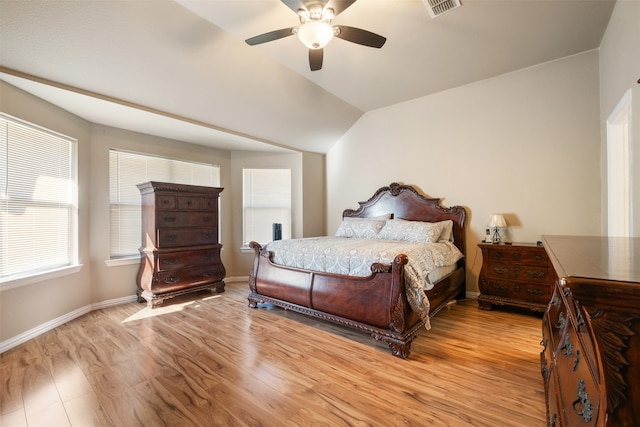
380 302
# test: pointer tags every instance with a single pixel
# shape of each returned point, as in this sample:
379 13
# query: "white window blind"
126 170
266 199
38 194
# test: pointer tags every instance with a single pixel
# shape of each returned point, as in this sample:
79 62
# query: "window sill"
115 262
40 277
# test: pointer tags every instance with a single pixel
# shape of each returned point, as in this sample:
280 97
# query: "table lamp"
496 221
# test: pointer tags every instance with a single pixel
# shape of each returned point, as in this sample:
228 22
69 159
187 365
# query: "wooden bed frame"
376 304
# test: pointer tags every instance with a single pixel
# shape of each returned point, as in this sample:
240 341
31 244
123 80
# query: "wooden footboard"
376 304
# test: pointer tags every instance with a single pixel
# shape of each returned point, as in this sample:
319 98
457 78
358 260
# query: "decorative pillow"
447 231
411 231
361 228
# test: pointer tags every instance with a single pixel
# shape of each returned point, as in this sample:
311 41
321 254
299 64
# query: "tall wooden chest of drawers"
590 360
515 275
180 252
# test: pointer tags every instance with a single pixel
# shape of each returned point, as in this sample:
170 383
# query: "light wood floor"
208 360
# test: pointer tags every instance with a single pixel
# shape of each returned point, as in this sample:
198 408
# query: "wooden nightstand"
517 275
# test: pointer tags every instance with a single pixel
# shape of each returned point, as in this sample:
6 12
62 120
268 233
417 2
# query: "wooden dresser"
180 249
517 274
591 332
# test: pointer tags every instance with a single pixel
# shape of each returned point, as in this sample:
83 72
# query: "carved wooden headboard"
404 202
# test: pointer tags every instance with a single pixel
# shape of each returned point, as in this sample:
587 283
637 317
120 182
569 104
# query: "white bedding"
354 256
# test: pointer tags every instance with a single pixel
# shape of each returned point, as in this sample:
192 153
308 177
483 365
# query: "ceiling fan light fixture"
315 34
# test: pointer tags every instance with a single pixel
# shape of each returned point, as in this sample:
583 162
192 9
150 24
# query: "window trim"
48 273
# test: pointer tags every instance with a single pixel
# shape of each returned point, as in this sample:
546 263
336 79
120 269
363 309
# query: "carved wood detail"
613 331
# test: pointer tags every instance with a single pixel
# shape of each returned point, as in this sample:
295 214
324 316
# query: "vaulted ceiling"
181 69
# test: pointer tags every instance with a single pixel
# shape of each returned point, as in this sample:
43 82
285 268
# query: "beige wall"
525 144
313 195
619 72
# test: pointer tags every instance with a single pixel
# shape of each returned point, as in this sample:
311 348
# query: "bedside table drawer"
530 255
530 273
531 292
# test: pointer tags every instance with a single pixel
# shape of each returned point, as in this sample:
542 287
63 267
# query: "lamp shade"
496 220
315 34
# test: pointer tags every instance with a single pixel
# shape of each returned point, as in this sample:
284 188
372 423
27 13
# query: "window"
266 199
126 170
38 194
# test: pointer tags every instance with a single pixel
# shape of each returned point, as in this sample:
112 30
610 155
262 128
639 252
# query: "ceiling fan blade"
315 59
270 36
294 4
359 36
339 6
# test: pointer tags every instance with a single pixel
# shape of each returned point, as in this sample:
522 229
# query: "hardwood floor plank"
87 411
209 360
11 383
14 419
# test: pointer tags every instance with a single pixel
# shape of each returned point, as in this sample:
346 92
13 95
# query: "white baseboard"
54 323
41 329
472 295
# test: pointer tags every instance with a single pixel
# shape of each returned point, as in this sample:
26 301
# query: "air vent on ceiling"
439 7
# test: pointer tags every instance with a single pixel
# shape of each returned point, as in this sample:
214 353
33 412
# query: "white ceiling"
181 69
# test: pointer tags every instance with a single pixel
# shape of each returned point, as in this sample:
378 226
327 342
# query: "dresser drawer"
511 271
532 292
177 260
176 237
186 219
535 256
556 318
177 279
578 383
166 201
190 203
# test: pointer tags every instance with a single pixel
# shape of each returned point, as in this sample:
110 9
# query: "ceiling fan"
315 29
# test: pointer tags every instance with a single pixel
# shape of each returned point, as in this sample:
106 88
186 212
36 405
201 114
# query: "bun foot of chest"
484 305
154 300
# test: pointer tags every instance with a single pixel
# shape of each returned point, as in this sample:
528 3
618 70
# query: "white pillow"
362 228
447 231
412 231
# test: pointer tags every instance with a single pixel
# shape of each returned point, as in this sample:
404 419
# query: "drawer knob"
536 292
173 260
576 359
500 270
536 274
499 288
582 405
172 279
169 219
567 348
517 256
206 219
